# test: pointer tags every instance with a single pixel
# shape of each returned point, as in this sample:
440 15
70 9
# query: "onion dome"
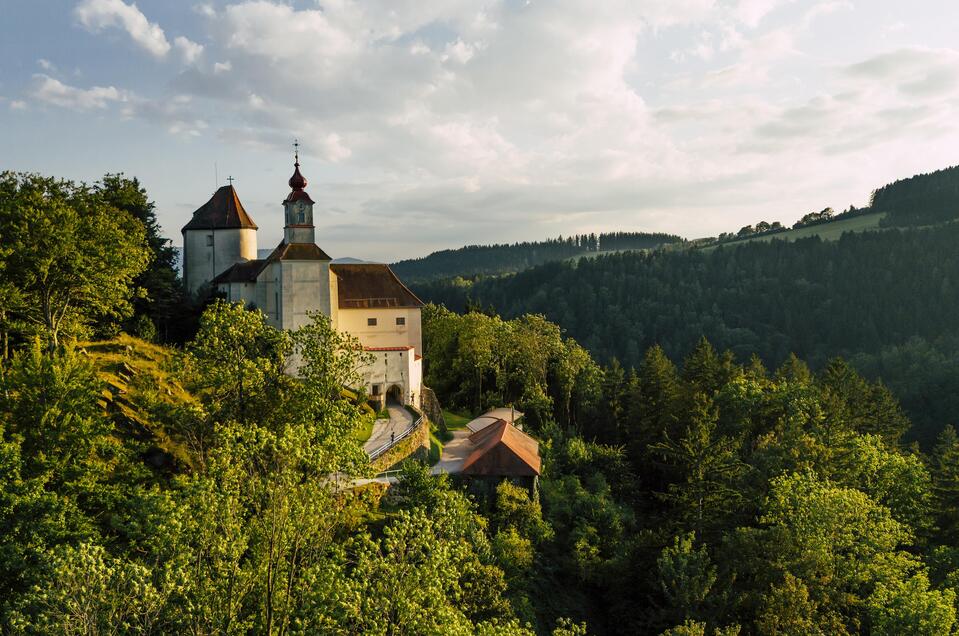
297 181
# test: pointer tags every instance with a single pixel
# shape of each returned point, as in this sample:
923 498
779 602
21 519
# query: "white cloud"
189 51
752 12
97 15
52 91
46 65
459 51
18 104
544 117
205 10
828 7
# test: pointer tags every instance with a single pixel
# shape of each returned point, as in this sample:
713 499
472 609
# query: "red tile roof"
371 286
502 450
223 211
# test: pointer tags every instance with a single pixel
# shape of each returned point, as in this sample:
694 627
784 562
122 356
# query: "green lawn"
455 421
826 231
436 449
363 430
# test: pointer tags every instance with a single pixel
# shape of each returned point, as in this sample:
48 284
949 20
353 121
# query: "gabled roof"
502 450
223 211
245 272
297 252
248 271
371 286
491 417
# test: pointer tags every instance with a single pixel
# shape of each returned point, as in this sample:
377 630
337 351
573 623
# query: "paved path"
455 453
400 420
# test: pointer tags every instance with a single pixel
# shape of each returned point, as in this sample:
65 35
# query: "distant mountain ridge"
499 259
883 292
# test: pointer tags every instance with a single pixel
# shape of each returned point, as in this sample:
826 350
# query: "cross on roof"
296 149
230 179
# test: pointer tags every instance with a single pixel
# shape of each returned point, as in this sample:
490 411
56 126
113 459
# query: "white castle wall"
202 261
386 333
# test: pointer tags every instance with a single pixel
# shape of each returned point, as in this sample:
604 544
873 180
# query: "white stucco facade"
392 327
394 373
209 251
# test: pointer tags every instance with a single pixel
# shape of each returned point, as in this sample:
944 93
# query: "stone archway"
394 395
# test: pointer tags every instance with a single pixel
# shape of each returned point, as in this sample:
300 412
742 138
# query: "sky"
432 124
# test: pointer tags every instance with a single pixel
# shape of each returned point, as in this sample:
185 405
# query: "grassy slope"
454 421
364 430
826 231
137 378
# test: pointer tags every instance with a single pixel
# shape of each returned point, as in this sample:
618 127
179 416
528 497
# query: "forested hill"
924 199
888 300
494 260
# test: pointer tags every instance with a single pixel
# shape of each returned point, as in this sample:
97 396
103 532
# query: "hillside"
924 199
497 260
872 296
138 383
830 231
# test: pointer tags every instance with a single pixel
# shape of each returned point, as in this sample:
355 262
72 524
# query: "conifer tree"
945 484
705 469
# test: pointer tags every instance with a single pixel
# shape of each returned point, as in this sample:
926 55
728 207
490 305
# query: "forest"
887 300
163 473
493 260
924 199
712 497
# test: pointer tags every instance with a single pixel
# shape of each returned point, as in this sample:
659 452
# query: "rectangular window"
371 322
400 322
209 240
376 389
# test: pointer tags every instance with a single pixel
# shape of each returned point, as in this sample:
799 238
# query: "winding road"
400 420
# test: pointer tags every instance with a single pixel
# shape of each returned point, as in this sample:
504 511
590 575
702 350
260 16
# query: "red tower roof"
297 184
222 211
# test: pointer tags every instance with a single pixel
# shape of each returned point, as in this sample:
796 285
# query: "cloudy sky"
428 124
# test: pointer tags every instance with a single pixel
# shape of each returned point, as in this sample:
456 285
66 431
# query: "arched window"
300 217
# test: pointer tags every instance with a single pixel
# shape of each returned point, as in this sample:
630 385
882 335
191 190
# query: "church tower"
298 207
220 234
296 276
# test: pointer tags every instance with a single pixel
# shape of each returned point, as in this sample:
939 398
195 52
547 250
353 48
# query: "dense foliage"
924 199
886 299
69 259
259 536
712 497
721 498
164 310
492 260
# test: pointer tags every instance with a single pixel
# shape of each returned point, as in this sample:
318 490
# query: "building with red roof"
365 300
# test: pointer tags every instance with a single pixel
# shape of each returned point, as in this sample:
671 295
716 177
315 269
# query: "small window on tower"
300 217
400 321
371 322
209 240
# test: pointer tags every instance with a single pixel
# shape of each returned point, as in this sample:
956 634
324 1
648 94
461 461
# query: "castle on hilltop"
365 300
